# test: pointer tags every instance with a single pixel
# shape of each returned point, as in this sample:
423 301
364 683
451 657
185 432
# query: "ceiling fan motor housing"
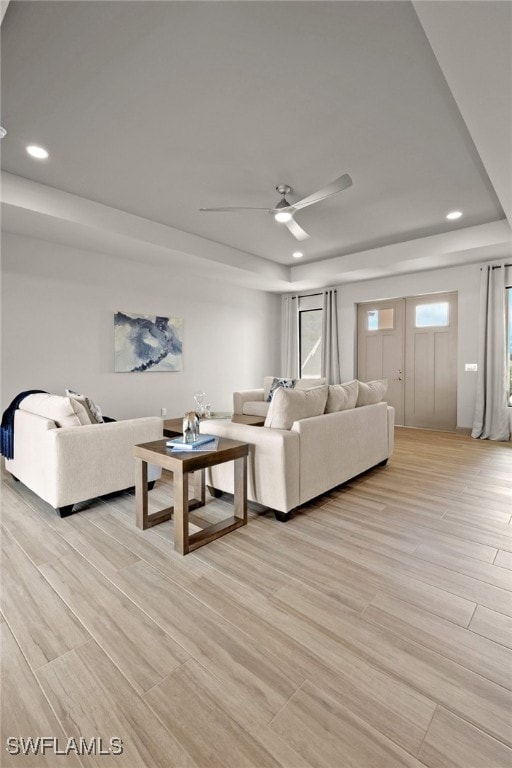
283 190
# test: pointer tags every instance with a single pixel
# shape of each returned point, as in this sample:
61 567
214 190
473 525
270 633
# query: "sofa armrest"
248 395
96 459
30 461
273 463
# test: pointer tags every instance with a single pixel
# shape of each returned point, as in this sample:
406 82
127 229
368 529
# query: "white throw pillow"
342 397
59 409
289 405
308 383
371 392
93 410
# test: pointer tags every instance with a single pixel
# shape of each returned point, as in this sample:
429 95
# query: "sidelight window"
310 340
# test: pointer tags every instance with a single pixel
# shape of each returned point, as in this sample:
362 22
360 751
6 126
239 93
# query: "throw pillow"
289 405
342 397
55 407
93 410
371 392
308 383
278 384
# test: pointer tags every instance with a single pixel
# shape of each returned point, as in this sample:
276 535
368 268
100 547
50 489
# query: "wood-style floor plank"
295 645
191 695
42 623
25 712
482 702
137 645
504 559
453 742
206 636
370 631
328 734
40 542
90 696
493 625
479 654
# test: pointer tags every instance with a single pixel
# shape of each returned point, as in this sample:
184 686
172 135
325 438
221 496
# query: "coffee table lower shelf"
182 465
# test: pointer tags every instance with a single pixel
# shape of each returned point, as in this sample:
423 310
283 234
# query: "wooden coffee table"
173 427
181 465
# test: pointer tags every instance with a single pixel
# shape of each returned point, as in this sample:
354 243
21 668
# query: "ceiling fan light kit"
284 212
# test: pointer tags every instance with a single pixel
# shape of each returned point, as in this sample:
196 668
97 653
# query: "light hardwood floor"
373 630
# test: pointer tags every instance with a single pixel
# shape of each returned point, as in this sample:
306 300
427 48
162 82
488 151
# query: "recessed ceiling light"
298 255
38 152
454 215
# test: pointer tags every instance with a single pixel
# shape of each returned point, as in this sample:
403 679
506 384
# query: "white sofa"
68 464
288 467
253 402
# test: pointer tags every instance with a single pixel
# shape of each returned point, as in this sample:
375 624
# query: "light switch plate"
471 367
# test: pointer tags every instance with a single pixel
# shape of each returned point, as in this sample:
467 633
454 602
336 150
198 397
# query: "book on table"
201 443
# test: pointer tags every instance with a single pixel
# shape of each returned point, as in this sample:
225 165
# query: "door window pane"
429 315
310 337
380 319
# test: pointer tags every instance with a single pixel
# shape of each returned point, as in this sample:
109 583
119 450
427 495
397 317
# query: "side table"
181 465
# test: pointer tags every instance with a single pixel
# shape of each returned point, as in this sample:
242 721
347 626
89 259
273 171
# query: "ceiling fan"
284 211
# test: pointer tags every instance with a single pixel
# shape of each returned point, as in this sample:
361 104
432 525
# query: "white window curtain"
492 419
330 356
290 337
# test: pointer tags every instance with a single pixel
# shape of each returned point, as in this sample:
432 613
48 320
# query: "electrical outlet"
471 367
163 411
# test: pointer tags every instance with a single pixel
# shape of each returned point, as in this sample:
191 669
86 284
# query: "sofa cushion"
342 396
62 410
278 384
93 410
371 392
290 405
255 408
299 384
308 383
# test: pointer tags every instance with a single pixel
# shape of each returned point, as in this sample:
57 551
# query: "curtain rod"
497 266
307 295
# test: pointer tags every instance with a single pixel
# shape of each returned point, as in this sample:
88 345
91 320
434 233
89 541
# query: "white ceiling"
159 108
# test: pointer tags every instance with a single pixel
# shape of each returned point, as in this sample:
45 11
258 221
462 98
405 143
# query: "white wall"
465 280
58 305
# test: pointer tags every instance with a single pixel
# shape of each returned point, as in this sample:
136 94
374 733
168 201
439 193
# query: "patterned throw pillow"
92 409
277 384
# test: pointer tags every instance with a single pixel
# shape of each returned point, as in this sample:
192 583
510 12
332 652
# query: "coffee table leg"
141 493
181 543
240 500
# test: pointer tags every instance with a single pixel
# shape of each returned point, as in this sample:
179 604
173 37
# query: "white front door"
380 349
431 361
413 344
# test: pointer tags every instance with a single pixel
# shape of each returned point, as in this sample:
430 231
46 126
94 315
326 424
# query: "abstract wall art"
147 343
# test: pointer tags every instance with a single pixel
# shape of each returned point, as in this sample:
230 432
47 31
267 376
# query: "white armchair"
65 465
253 402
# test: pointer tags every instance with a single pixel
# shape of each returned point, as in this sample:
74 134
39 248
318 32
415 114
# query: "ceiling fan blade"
236 209
296 230
338 185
